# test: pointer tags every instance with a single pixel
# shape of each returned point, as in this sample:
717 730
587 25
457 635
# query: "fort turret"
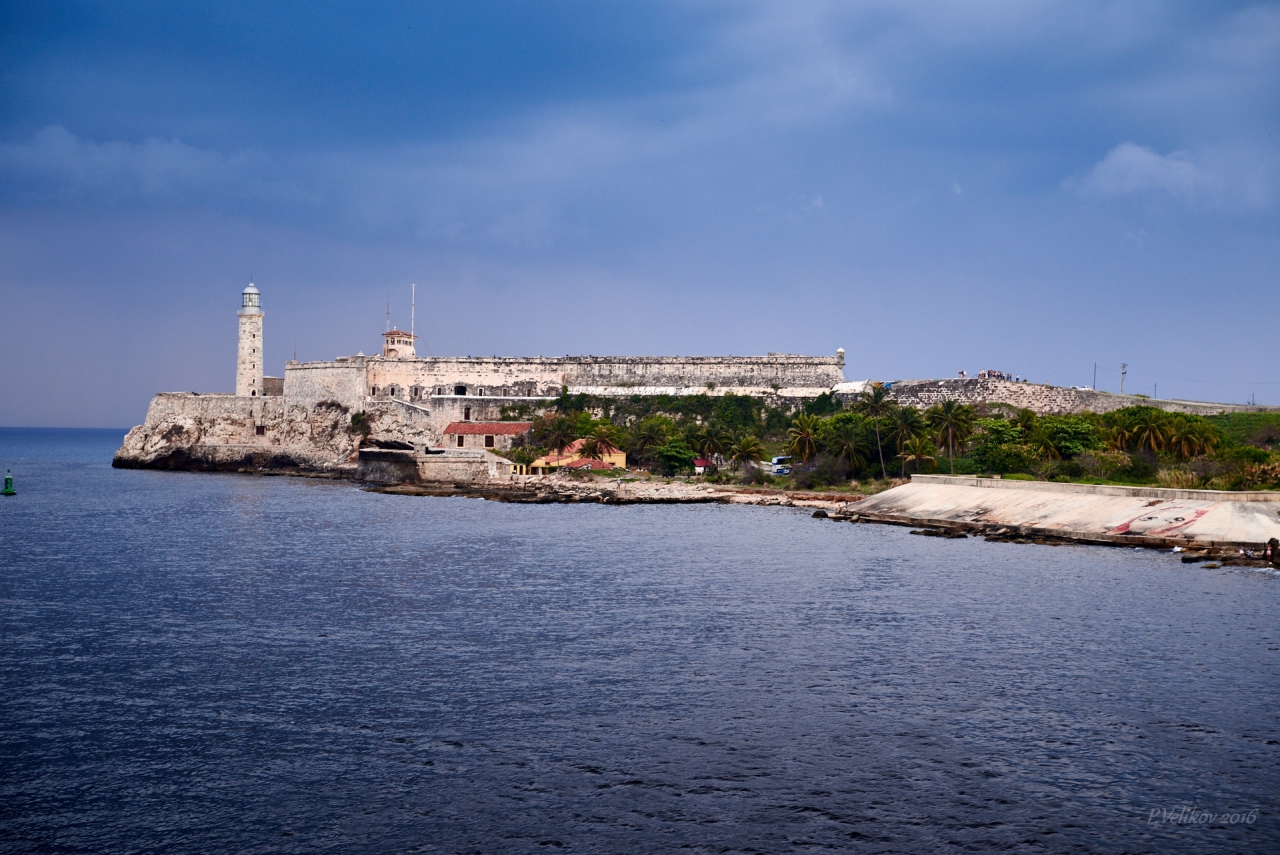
398 344
249 352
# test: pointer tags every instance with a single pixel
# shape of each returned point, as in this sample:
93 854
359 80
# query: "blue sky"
1027 186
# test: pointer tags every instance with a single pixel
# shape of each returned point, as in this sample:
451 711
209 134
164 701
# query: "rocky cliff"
230 433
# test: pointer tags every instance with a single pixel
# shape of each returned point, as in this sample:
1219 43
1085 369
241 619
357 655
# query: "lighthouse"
249 351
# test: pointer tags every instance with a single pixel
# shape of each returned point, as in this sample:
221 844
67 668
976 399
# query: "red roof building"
498 435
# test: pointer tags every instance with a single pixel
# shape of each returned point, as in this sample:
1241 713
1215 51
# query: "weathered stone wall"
451 467
1040 398
344 382
787 375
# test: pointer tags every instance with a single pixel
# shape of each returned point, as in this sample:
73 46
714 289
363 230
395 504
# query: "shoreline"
885 508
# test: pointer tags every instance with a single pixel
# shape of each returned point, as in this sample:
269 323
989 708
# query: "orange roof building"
571 458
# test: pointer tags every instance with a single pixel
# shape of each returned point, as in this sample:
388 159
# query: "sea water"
224 663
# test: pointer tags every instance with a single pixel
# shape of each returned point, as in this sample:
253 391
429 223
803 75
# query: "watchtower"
398 344
249 352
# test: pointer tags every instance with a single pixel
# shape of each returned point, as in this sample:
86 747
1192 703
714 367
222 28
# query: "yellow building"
571 458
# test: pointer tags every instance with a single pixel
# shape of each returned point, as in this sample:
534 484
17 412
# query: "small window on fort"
460 440
466 414
459 390
488 442
261 430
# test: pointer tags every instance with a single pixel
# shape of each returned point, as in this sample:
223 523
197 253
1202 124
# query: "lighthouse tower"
249 351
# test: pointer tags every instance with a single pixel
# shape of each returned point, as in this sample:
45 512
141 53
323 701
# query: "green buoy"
8 485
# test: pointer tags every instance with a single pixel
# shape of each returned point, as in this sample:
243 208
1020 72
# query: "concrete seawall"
1139 516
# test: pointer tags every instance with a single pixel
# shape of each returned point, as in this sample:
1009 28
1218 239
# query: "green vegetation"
832 446
360 424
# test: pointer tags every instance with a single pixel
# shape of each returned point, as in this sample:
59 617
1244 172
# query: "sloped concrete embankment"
1136 516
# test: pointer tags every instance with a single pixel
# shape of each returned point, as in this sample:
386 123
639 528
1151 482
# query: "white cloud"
1232 177
1130 169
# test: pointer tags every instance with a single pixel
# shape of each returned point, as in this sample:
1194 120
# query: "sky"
1033 187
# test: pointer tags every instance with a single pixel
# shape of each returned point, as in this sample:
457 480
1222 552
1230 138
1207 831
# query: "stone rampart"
1042 399
450 466
342 381
783 374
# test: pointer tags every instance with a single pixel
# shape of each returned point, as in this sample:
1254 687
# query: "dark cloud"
931 185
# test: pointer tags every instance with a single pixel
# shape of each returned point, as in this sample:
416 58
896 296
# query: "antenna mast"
1123 368
388 314
413 300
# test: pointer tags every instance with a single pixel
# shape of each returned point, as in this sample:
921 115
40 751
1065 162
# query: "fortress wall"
344 382
1040 398
544 376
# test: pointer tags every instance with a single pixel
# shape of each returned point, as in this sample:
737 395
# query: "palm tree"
600 441
875 405
1026 420
560 433
1151 430
1189 437
804 437
954 422
647 435
906 425
717 442
747 451
1117 437
1184 440
1042 443
917 450
1208 436
848 444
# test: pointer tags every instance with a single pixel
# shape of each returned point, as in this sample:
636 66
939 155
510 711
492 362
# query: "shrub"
674 456
999 448
1177 478
1102 464
825 471
360 424
824 405
1140 469
1063 469
1241 454
1071 435
1259 475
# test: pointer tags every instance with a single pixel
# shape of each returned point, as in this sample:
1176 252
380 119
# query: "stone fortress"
303 421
